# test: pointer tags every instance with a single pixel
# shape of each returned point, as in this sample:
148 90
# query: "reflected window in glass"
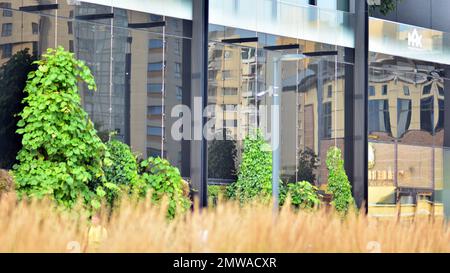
154 110
6 51
154 88
179 92
426 114
155 43
178 70
403 116
406 90
157 66
426 90
371 91
6 9
384 90
154 131
327 118
7 29
379 118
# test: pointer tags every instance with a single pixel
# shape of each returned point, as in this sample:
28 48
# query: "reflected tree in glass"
221 157
13 77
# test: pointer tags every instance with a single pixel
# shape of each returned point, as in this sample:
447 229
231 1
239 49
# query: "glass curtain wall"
141 73
407 136
240 78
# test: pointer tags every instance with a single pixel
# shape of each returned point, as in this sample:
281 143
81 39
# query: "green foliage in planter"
303 195
215 192
61 156
338 184
255 171
160 179
123 171
13 78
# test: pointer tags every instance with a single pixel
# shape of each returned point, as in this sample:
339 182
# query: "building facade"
145 59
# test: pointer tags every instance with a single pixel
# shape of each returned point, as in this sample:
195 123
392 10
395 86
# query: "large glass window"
407 167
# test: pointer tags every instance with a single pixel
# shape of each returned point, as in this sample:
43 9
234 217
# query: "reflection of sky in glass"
173 8
286 18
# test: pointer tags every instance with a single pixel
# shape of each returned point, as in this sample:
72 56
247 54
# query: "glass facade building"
141 55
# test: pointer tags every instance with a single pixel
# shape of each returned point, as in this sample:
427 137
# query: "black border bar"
147 25
320 53
282 47
240 40
39 7
99 16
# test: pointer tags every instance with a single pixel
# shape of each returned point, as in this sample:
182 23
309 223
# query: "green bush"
255 171
303 195
215 192
61 156
123 171
160 179
338 184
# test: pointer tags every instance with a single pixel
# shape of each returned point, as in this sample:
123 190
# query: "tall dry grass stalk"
143 227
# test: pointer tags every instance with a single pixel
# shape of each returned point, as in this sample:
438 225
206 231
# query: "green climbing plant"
338 184
303 195
123 170
61 157
255 171
160 179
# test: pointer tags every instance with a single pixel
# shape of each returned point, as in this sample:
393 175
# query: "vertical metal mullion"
199 93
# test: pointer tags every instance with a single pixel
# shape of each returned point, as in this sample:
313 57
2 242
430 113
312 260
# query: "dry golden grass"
142 227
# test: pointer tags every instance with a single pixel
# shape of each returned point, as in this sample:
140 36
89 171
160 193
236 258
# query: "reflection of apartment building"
406 122
232 88
159 60
36 34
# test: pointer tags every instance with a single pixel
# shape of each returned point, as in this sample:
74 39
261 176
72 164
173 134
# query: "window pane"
155 43
154 110
158 66
154 131
154 87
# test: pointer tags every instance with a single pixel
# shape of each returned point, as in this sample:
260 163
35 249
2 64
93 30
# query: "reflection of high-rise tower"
232 75
157 84
104 49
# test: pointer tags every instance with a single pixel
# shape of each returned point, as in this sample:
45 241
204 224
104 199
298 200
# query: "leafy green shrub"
161 179
338 184
13 78
61 156
255 171
303 195
123 171
215 192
